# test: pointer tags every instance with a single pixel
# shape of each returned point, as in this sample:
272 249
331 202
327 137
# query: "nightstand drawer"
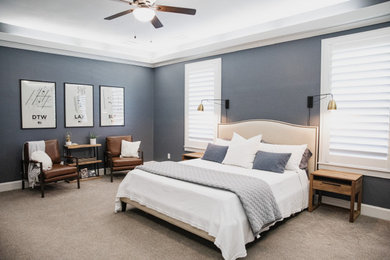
332 187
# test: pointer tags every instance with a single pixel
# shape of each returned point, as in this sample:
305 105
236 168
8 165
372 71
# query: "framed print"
38 104
112 106
78 105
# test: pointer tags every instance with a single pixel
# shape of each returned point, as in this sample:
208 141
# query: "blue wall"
270 82
267 82
18 64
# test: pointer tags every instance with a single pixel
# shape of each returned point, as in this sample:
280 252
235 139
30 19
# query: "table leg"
96 165
68 153
352 206
319 197
359 206
359 202
311 194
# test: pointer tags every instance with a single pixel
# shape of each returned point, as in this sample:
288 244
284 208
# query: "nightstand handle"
331 183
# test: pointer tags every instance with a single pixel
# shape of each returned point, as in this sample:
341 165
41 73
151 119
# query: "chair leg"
78 180
23 175
42 190
105 164
42 185
23 185
111 175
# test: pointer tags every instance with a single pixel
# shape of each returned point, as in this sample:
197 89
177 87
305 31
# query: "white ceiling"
78 28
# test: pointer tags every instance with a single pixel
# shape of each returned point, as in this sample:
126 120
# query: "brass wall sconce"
310 101
225 101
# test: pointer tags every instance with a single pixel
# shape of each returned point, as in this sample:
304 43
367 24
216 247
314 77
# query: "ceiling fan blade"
130 2
118 14
173 9
126 1
156 22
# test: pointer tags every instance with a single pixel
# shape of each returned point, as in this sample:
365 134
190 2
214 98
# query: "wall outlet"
168 156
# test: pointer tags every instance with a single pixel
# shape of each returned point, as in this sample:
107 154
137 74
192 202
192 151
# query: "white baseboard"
12 185
367 210
16 185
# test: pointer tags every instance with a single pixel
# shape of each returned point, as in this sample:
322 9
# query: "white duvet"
217 212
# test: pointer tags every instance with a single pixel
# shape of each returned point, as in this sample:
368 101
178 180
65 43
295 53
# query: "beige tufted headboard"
275 132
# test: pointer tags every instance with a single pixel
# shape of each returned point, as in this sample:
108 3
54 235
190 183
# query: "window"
202 81
356 70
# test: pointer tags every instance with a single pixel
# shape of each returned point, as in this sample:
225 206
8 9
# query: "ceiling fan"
145 11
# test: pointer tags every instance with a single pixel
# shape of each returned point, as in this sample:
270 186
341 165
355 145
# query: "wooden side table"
189 156
338 182
85 161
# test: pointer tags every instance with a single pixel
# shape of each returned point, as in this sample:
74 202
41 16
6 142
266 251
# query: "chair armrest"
40 164
33 161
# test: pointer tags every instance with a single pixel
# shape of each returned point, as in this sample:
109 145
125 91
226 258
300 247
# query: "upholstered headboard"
275 132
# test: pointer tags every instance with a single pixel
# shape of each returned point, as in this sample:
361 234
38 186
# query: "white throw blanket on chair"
35 150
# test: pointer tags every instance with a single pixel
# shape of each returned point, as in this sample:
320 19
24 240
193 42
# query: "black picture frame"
77 121
38 109
110 96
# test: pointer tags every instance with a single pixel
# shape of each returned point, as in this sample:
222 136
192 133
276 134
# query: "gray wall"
18 64
269 82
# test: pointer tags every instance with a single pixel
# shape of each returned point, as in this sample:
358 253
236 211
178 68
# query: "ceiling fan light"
144 14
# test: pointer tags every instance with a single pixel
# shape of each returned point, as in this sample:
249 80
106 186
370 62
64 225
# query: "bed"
217 215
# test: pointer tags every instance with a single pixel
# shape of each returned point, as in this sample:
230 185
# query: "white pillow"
295 150
238 138
42 157
241 152
222 142
130 149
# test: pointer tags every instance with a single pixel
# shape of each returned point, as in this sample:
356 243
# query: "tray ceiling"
78 28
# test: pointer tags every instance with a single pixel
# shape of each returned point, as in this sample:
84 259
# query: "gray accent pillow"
305 159
273 162
215 153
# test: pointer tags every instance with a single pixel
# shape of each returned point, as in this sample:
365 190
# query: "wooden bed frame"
275 132
173 221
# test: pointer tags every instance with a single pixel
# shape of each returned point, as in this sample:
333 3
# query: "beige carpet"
80 224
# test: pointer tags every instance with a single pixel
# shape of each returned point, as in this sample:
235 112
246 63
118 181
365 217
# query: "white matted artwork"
78 105
38 104
112 106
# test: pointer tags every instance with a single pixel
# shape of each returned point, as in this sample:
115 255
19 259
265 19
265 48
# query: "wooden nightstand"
338 182
189 156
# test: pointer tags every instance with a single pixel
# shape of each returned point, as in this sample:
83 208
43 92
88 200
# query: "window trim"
217 63
326 47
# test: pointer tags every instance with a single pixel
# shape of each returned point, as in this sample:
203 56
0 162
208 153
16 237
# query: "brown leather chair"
58 172
112 156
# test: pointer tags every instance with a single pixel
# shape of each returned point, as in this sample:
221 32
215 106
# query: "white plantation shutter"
356 71
202 81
